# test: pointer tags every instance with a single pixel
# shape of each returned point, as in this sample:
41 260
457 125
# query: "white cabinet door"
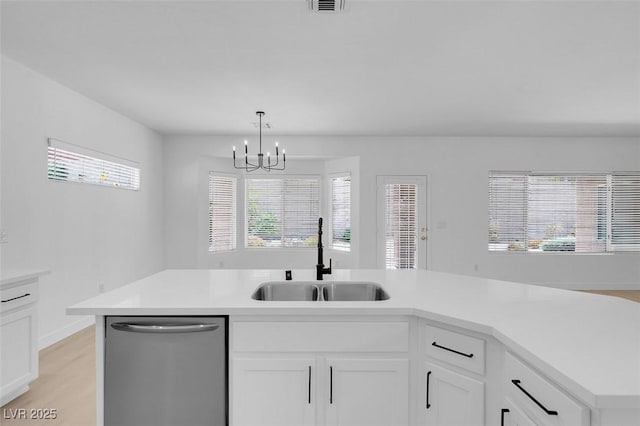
273 392
367 392
514 416
450 399
19 359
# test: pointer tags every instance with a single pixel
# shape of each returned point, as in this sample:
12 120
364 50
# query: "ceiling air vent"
326 6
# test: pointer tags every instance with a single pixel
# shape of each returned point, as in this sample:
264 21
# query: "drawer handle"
428 377
16 298
163 328
330 384
549 412
452 350
502 413
309 394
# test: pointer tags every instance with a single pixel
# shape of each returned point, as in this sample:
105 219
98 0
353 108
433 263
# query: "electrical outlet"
101 287
4 236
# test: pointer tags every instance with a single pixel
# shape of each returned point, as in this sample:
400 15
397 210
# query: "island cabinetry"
451 380
18 337
332 373
512 415
367 391
531 398
274 391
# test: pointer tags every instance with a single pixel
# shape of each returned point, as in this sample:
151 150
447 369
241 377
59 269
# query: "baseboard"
66 331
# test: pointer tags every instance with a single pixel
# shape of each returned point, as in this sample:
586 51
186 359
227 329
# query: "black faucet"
320 269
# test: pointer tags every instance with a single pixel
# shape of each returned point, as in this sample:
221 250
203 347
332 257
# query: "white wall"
457 170
85 234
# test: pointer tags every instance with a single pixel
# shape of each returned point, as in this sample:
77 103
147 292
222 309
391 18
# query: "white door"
367 392
273 392
402 222
450 399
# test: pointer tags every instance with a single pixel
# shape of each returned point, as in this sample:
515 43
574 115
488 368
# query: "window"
71 163
222 213
552 212
401 219
341 213
282 212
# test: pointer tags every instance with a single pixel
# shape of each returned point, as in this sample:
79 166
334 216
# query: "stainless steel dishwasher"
165 371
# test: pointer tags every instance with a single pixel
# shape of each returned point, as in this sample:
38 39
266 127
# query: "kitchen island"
514 353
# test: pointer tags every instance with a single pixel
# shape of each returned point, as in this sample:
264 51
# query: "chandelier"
260 160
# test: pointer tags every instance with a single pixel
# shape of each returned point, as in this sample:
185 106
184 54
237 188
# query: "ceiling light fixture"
251 167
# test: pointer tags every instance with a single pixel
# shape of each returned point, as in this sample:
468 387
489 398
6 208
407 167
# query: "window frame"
346 247
318 178
234 198
91 167
602 197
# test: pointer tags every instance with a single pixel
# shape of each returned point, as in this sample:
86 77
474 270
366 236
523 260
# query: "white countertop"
589 344
11 276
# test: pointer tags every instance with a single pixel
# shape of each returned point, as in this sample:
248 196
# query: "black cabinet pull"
330 385
504 410
428 377
309 385
452 350
549 412
16 298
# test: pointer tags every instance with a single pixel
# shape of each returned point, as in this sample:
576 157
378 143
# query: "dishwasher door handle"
163 328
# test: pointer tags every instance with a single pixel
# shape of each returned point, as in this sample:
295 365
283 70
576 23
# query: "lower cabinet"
531 396
18 338
513 415
450 398
367 392
303 391
274 392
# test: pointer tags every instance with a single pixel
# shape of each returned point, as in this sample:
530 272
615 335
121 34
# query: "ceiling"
477 68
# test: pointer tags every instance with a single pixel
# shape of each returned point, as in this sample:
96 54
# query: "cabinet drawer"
320 336
19 295
539 398
454 348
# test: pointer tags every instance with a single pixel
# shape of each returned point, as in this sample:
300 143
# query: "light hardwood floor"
67 379
66 383
625 294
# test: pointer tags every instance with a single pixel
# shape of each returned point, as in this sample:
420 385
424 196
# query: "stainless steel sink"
287 291
317 291
353 291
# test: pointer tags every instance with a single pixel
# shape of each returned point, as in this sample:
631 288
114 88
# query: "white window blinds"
552 212
341 213
625 212
282 212
222 213
72 163
401 215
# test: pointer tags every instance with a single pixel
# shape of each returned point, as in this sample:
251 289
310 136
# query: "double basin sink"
311 291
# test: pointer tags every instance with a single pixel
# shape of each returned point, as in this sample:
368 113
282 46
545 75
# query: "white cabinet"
274 392
514 416
343 391
451 385
450 398
18 336
367 392
333 373
538 399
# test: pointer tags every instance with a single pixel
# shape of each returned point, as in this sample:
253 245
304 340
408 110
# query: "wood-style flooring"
66 383
67 379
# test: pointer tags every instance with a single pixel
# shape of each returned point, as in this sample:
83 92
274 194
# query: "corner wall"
86 235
